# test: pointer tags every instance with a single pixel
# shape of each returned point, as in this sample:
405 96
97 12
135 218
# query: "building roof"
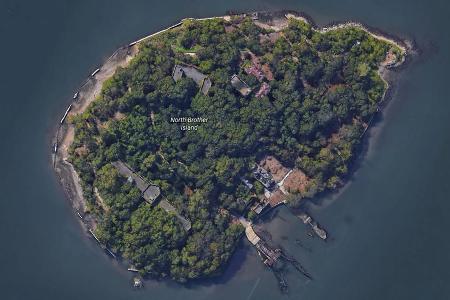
201 79
264 177
263 90
240 85
149 192
276 198
194 74
255 71
164 204
274 167
206 86
177 73
126 171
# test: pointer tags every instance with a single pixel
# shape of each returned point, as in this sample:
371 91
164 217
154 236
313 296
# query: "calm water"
389 226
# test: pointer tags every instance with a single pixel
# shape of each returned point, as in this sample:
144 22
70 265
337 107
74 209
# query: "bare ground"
88 92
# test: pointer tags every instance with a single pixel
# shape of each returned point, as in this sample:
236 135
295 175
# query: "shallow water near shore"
388 227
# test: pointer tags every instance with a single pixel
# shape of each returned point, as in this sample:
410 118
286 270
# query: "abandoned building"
255 71
164 204
259 206
202 80
263 90
150 192
264 177
279 182
240 85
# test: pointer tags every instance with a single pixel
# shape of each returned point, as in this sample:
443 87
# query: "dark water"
389 226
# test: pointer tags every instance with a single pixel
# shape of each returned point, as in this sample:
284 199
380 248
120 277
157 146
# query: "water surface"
388 226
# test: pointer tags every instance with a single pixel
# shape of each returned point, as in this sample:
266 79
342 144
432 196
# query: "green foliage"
326 87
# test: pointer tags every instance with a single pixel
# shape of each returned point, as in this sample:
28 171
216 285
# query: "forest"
320 92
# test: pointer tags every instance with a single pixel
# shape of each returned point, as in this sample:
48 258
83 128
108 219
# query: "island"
181 139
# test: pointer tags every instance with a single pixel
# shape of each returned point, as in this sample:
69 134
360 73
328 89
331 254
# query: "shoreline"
63 138
91 88
406 45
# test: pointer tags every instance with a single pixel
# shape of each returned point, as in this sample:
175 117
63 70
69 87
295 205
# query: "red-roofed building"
263 90
255 71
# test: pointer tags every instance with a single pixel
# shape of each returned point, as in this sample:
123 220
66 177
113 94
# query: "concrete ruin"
200 79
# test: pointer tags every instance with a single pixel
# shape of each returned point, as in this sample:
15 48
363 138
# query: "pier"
65 114
268 255
306 219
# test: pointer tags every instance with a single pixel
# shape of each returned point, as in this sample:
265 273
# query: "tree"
324 91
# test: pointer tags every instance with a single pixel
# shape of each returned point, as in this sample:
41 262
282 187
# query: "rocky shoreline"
63 138
91 88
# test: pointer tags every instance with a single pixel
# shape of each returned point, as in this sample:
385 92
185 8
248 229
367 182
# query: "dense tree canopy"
324 90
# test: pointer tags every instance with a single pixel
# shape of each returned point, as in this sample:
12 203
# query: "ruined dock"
268 254
306 219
